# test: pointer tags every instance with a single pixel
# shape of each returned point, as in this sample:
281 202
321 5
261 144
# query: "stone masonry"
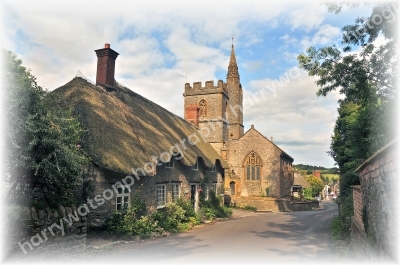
39 231
220 119
378 178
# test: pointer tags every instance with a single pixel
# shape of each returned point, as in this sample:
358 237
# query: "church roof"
283 152
125 130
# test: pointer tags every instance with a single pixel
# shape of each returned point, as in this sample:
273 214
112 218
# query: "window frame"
170 164
164 196
196 166
122 195
174 196
252 165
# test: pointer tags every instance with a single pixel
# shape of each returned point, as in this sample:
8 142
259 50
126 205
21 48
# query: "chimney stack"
106 65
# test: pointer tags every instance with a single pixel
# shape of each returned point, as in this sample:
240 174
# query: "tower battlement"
208 87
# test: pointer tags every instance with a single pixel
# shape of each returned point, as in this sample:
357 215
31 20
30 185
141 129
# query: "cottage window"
123 196
196 166
170 164
252 164
161 196
175 192
203 108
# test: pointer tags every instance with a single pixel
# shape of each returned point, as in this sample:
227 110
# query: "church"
256 166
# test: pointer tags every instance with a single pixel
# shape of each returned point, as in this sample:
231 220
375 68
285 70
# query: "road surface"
293 237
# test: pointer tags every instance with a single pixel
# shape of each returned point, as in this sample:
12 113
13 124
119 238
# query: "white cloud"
296 118
326 34
308 17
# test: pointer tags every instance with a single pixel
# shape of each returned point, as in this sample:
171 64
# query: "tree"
42 141
317 185
367 80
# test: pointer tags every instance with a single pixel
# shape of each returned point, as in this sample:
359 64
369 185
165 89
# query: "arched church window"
203 108
252 163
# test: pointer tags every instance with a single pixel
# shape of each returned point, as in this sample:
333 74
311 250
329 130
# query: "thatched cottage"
136 146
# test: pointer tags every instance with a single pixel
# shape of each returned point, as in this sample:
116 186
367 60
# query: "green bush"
169 217
145 226
132 220
210 213
346 211
250 208
213 207
187 207
115 223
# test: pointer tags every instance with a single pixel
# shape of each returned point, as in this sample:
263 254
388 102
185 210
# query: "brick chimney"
106 65
192 114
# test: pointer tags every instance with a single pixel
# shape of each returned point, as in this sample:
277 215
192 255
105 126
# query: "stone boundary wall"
29 231
358 205
378 178
272 204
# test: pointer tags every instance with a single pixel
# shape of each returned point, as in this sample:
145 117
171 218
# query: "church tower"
217 109
205 107
235 103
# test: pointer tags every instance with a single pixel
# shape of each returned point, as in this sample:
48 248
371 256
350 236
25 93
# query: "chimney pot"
107 46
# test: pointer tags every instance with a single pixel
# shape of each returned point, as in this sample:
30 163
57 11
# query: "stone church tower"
257 167
235 104
218 109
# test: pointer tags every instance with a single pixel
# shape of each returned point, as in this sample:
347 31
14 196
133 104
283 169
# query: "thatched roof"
124 129
301 181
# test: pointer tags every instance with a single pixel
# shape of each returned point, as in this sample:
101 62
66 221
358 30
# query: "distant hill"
333 170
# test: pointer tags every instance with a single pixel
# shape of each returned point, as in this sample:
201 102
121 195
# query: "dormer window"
170 164
196 165
213 169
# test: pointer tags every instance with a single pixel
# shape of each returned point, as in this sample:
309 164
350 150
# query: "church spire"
233 71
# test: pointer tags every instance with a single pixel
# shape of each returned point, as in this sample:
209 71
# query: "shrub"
346 211
169 217
250 208
145 226
187 207
214 207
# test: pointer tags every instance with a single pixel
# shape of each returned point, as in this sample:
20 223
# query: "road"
293 237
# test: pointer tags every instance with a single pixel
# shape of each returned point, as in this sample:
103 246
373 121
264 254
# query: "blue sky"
163 46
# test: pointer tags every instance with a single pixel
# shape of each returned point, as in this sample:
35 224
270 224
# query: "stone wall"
358 205
275 174
271 204
216 99
146 186
378 178
47 232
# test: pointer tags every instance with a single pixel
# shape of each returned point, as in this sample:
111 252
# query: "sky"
163 46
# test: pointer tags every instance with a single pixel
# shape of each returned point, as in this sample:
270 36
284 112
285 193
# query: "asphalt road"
295 237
